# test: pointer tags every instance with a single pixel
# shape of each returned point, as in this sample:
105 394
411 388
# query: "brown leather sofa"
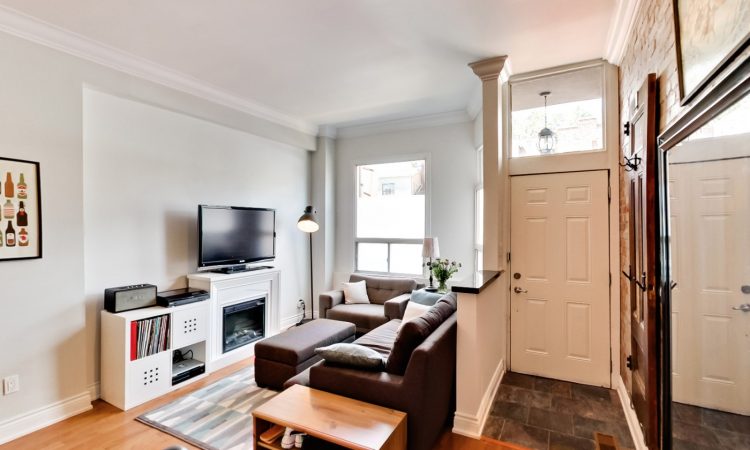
425 390
388 298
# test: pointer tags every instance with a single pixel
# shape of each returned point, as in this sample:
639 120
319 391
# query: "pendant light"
547 137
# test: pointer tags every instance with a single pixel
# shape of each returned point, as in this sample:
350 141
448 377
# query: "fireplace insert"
243 323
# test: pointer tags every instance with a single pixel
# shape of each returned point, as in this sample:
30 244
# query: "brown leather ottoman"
283 356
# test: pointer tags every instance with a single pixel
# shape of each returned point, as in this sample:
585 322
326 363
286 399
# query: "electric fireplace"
243 323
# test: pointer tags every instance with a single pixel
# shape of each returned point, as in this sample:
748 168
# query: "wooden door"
710 255
560 283
641 182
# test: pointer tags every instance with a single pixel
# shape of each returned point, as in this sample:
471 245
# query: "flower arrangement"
443 269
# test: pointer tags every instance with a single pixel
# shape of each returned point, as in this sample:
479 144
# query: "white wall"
48 318
147 169
451 179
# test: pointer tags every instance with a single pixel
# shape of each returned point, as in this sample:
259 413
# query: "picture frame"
708 36
20 210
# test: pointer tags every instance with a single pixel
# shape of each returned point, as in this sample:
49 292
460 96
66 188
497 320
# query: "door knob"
745 307
519 290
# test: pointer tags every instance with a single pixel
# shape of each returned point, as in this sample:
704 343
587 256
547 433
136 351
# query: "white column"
488 70
323 166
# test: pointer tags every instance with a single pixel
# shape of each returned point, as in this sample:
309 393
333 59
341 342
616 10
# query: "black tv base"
240 268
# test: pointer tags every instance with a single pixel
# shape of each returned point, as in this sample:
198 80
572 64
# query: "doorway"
560 302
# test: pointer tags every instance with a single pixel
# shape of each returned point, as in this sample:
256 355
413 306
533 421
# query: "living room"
133 115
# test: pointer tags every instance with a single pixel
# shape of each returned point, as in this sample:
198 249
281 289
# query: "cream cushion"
355 293
413 310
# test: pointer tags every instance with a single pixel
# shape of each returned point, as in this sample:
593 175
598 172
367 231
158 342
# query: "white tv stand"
126 383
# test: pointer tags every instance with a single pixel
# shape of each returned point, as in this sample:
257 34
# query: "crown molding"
620 29
411 123
49 35
474 107
489 69
328 131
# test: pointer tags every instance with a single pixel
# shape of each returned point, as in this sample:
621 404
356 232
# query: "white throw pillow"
355 292
413 310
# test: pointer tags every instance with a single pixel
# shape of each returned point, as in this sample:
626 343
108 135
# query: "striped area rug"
216 417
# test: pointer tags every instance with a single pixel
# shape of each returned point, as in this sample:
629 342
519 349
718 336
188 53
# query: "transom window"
390 217
573 113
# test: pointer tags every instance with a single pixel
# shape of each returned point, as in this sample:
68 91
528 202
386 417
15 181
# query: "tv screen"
235 235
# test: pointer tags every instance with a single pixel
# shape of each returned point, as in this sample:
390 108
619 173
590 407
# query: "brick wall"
650 49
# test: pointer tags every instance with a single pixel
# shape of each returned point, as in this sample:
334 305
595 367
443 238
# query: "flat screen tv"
235 236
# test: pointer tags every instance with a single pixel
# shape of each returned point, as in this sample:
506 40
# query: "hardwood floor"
106 427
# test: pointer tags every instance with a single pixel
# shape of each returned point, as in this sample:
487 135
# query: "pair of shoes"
292 439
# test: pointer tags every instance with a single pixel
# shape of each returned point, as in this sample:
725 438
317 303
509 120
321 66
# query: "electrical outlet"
11 384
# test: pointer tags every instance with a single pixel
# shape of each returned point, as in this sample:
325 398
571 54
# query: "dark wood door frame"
643 362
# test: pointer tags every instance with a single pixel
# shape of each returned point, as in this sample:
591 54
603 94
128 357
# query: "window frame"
479 237
548 73
427 210
570 161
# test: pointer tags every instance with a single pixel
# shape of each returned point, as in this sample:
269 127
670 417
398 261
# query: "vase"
442 286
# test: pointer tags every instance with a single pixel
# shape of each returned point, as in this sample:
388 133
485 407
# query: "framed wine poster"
21 210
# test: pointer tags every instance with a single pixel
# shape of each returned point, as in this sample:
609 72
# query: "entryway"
545 414
560 306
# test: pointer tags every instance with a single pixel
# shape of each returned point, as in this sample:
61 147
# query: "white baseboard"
472 425
289 321
31 421
630 416
94 391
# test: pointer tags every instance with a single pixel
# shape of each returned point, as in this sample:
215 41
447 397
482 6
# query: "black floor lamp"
308 224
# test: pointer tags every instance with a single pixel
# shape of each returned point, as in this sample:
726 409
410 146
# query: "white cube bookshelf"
126 383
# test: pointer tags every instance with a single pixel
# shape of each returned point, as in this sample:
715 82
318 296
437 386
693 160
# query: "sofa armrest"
395 307
328 300
379 388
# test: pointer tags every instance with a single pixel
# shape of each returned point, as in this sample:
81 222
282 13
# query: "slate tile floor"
695 428
546 414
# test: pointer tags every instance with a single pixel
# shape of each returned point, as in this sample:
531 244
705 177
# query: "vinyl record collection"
149 336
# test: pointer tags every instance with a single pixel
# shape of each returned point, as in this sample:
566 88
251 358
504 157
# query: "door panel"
710 263
559 246
642 260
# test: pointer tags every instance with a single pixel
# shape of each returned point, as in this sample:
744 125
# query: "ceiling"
339 62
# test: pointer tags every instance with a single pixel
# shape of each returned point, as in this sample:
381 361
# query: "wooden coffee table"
339 420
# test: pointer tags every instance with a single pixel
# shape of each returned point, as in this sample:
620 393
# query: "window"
479 212
574 112
478 226
390 218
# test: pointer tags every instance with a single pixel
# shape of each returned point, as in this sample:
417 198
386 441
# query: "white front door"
710 245
560 276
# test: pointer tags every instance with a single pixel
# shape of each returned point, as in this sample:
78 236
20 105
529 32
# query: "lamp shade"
430 248
307 221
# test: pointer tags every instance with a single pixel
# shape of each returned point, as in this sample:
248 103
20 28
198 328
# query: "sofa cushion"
381 339
451 299
413 309
364 316
355 293
298 344
382 289
352 355
415 331
425 298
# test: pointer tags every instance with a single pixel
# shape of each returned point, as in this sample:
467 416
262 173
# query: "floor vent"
605 442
